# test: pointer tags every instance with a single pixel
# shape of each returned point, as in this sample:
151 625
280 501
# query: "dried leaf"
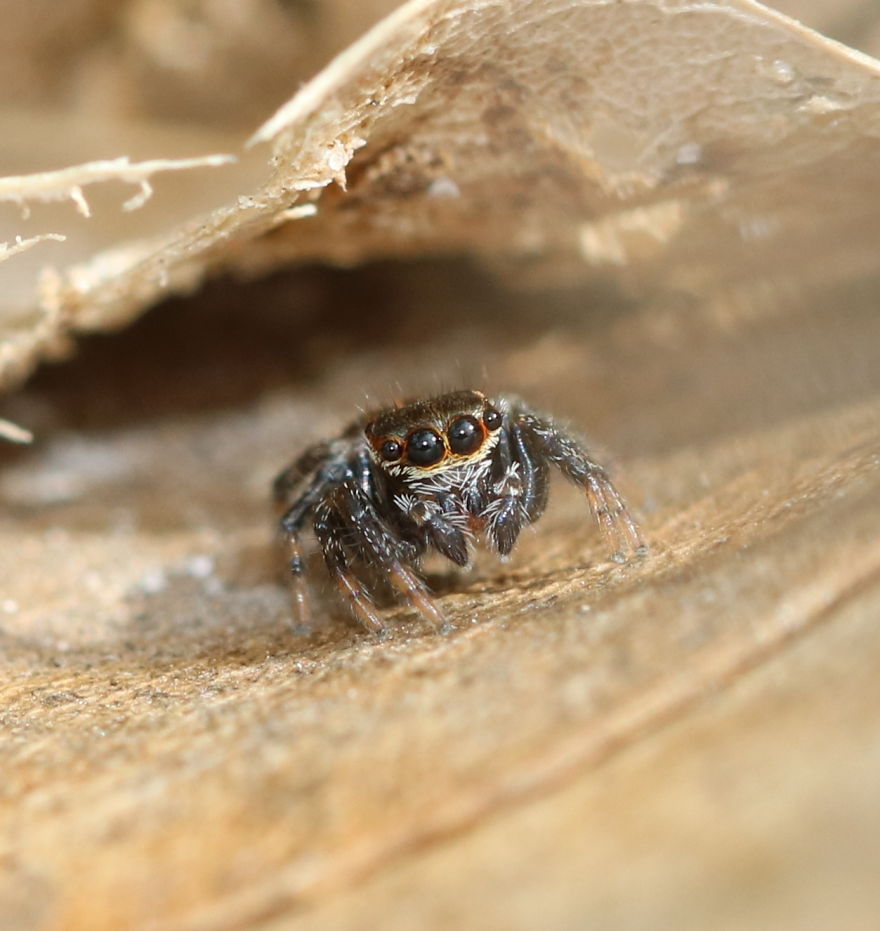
675 140
689 740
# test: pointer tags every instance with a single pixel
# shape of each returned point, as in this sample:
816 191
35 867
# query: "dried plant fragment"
67 183
14 433
8 250
684 147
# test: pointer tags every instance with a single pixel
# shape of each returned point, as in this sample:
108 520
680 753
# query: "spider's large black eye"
492 419
465 435
425 448
391 450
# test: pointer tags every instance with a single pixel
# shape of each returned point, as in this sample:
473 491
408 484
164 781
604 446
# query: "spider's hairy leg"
359 601
301 467
294 518
291 527
389 552
519 494
622 535
504 514
299 586
414 589
331 531
535 475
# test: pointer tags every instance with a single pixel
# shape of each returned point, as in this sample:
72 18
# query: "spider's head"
428 437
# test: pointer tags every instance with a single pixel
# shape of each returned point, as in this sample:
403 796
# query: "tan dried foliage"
655 141
664 217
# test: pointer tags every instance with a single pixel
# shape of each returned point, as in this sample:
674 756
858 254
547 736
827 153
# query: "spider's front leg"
299 470
621 533
331 531
350 530
329 472
519 493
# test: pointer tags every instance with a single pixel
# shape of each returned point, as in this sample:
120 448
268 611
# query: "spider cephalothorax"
434 474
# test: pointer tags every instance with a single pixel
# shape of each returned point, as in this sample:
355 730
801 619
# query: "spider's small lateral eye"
465 435
425 448
492 419
391 450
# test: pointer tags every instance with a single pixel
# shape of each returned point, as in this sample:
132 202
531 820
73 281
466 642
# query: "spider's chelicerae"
433 474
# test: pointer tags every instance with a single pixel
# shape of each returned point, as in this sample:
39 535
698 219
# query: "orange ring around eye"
390 449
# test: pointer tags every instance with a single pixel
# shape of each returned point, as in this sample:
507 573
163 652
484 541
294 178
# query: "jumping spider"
433 474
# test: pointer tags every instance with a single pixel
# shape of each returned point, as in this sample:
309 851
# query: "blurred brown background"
688 741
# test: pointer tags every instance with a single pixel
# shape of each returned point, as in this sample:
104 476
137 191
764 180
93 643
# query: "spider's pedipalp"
446 526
